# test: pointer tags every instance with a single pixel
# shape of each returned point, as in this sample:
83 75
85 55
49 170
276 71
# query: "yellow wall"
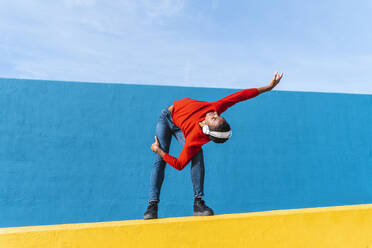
345 226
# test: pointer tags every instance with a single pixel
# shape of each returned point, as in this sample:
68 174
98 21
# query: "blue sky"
320 45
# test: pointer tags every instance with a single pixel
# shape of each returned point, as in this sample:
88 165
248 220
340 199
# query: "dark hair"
223 127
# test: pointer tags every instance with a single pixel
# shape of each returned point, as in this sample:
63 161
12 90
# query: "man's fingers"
156 139
278 77
276 73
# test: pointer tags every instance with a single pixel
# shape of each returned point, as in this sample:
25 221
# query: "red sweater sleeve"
228 101
185 157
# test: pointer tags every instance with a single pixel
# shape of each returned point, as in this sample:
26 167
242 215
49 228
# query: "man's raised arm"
228 101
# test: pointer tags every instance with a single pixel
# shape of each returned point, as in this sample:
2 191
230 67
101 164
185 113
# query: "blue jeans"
165 128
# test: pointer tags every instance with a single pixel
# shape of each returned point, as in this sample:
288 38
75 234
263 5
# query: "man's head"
216 123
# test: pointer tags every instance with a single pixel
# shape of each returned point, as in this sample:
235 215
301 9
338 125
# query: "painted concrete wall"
76 152
339 227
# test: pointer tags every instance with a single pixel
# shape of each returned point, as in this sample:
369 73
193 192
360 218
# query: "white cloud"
162 42
163 7
84 3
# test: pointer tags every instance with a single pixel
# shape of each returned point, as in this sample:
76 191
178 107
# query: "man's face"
213 120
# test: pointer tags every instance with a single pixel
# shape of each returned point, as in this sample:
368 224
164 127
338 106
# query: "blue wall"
77 152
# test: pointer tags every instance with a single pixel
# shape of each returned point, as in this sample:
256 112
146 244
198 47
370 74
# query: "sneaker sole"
203 214
146 217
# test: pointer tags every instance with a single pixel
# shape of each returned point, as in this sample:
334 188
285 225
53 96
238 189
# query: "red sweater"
187 113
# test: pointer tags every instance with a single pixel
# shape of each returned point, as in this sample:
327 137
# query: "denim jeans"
165 128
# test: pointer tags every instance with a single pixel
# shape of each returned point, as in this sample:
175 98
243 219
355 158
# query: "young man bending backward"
193 123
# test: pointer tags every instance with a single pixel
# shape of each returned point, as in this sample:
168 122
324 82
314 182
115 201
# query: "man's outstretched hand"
275 80
272 84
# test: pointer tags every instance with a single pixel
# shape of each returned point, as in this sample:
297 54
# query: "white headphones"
216 134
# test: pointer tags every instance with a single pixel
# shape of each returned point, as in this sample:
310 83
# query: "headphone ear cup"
206 129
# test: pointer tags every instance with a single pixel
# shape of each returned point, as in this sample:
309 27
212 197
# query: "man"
193 123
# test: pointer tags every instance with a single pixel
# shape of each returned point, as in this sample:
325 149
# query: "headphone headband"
216 134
